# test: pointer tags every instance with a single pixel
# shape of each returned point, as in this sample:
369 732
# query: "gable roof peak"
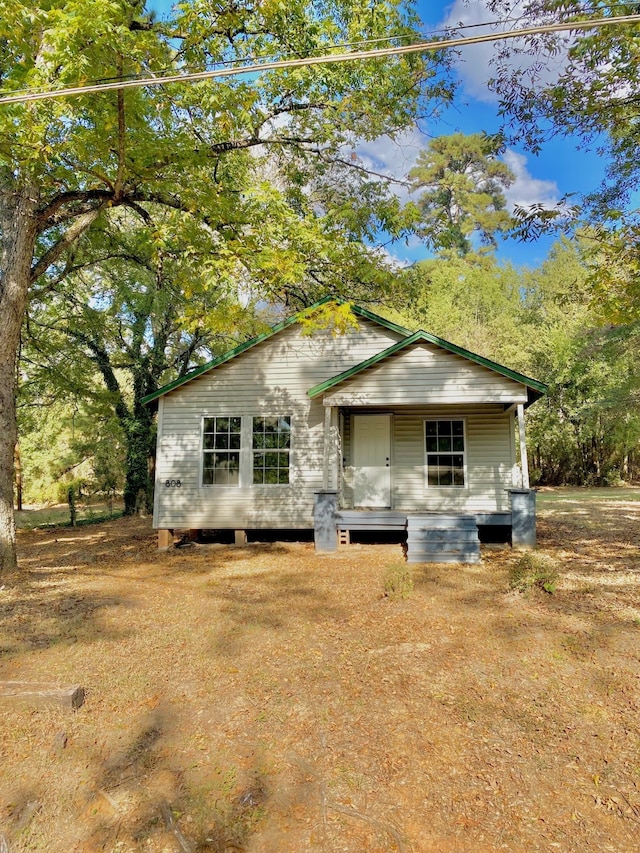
274 330
536 389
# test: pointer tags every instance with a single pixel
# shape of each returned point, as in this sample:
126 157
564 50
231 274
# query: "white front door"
372 460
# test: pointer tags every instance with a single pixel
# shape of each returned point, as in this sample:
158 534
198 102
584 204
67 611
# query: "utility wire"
402 50
449 30
226 63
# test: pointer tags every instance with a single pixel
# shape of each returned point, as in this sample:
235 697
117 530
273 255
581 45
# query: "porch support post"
326 467
524 462
334 450
523 519
325 532
330 448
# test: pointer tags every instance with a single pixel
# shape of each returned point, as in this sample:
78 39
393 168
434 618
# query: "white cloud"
395 261
396 157
475 61
392 156
387 157
527 190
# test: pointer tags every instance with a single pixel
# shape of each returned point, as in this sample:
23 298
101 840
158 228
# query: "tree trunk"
18 226
141 442
18 470
137 489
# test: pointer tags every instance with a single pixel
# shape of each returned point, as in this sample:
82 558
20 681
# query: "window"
445 446
271 450
221 451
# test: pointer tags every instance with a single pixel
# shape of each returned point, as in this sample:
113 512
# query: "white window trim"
245 474
218 486
271 486
457 489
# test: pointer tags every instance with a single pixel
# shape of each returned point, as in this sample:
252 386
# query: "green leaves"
587 85
547 323
462 184
210 150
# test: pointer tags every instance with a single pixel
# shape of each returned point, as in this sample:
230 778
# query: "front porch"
387 519
431 536
457 458
445 477
428 438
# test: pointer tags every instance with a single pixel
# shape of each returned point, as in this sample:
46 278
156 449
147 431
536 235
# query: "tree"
472 301
462 182
584 84
585 430
69 441
135 310
544 323
67 164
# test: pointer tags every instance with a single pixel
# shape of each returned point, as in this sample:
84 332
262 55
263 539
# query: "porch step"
372 519
442 539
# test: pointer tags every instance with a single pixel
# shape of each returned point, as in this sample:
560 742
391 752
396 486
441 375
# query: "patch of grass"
582 494
533 570
52 517
398 582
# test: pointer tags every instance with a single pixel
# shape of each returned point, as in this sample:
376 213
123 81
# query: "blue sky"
559 169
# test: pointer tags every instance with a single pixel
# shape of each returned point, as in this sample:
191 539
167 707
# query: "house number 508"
172 484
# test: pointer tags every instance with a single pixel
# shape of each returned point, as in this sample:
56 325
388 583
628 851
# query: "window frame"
450 453
206 451
279 450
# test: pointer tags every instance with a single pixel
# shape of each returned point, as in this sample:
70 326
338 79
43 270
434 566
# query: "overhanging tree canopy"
247 164
585 85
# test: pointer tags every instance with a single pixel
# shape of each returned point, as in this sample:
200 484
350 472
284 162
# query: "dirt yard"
268 700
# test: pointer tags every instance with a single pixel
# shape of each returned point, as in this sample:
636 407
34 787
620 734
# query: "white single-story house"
377 427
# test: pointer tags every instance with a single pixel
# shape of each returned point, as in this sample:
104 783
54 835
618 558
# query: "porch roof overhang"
412 386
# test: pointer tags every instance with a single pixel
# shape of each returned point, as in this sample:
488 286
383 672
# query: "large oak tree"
66 164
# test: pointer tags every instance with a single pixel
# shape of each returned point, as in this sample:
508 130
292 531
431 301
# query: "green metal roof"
538 388
360 312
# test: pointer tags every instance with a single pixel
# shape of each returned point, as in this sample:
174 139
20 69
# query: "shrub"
533 570
398 582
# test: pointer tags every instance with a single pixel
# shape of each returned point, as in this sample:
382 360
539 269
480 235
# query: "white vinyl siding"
269 380
272 379
488 456
425 374
489 460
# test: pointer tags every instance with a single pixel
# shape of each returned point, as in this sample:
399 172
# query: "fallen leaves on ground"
267 699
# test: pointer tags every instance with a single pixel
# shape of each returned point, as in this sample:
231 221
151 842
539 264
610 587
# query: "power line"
161 74
402 50
393 37
226 63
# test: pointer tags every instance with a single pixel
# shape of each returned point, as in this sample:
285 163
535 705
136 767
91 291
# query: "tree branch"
49 214
82 223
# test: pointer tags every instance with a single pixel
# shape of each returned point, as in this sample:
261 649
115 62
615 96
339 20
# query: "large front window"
271 450
221 451
240 451
445 453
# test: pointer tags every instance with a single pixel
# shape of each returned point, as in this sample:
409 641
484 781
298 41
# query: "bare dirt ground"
266 699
